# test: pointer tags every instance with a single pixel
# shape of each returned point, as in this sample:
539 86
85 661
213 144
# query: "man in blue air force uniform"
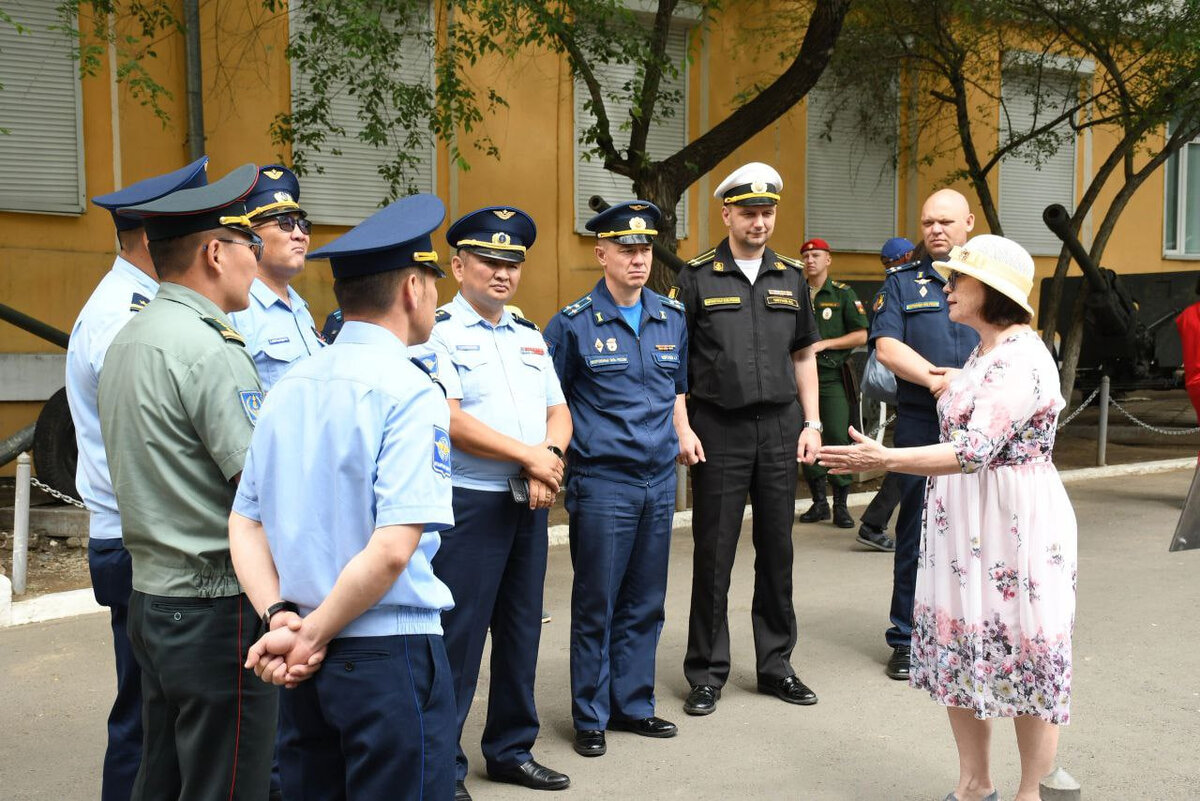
277 325
345 490
509 425
621 354
121 293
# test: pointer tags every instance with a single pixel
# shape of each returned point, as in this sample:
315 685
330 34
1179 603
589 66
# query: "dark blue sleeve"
681 385
889 319
558 338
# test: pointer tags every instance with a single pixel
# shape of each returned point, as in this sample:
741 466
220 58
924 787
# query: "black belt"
750 412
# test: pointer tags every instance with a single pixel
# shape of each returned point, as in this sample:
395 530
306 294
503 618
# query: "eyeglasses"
286 223
952 279
255 244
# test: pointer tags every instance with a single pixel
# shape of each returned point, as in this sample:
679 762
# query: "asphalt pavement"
1135 712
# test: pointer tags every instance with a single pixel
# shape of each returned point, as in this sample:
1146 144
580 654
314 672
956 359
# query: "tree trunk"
662 192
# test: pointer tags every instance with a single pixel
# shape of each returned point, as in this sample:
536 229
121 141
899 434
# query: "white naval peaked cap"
753 184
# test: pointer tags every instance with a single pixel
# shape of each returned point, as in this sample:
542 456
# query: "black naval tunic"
744 408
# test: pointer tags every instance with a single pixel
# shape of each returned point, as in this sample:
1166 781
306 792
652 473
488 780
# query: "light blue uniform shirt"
120 294
504 378
276 336
351 440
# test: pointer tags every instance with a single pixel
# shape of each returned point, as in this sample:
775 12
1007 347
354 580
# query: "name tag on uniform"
781 293
619 360
278 340
782 303
710 303
922 305
533 351
667 358
825 304
466 347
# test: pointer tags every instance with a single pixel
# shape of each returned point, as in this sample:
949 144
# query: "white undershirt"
749 267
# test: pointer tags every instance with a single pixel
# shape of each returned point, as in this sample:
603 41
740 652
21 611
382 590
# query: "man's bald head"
946 220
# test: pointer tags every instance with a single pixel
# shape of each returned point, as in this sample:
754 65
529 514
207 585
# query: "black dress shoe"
789 689
460 792
702 700
590 743
531 775
899 666
647 727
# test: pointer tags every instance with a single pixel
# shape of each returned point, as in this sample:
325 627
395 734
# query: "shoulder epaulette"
519 320
138 302
703 258
441 316
789 261
424 368
672 303
225 331
838 284
575 308
899 268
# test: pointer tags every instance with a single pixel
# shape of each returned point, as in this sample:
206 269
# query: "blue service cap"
203 208
277 192
395 237
144 191
498 232
895 248
631 223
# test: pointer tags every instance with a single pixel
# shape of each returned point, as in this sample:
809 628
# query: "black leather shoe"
899 666
702 700
590 743
531 775
872 537
460 792
789 689
647 727
817 512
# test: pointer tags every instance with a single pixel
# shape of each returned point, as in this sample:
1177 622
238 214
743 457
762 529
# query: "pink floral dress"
995 597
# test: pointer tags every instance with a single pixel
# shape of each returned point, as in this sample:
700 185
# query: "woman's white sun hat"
996 261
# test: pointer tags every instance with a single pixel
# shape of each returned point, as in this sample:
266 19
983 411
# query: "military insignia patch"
138 302
638 207
501 238
430 363
923 292
283 197
783 293
758 187
673 293
637 224
251 402
718 267
274 175
858 305
827 314
878 302
441 315
664 347
599 345
503 214
611 344
441 452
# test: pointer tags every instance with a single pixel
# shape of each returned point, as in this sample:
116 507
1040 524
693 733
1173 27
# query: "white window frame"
1179 164
41 105
618 188
350 188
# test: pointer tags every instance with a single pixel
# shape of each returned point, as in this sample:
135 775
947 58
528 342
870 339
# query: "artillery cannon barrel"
1059 222
599 204
34 326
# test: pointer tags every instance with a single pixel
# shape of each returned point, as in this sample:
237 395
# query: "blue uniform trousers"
910 432
376 723
112 581
620 545
494 562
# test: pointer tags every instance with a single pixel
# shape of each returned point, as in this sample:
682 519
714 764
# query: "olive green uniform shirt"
178 399
838 312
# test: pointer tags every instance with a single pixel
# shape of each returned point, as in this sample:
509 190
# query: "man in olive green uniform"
842 322
178 399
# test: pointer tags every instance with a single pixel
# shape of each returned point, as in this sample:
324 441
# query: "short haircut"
369 295
176 254
131 239
1000 310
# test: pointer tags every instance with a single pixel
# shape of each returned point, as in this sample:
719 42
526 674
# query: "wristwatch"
276 608
557 451
815 424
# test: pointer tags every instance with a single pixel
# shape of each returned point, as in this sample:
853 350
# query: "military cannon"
1116 342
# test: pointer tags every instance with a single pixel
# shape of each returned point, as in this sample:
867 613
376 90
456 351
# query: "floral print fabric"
995 598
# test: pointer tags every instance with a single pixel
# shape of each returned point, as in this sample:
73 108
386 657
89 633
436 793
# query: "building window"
1181 206
668 132
41 118
850 183
342 184
1043 171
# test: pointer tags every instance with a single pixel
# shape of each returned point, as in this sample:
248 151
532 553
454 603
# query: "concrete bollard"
1059 786
5 602
20 558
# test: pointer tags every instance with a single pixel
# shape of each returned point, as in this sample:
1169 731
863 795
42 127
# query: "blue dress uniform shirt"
911 307
118 296
502 375
621 386
367 426
276 336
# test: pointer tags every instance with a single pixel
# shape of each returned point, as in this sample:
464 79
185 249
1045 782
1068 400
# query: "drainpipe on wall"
195 76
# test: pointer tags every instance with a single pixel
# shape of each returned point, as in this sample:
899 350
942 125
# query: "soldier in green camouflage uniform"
842 322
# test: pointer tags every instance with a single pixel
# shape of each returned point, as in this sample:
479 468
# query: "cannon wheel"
55 452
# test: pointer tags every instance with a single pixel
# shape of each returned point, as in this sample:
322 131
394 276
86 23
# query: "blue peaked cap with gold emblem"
201 208
144 191
277 192
497 232
395 237
632 223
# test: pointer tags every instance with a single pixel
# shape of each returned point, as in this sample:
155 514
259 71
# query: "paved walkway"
1136 709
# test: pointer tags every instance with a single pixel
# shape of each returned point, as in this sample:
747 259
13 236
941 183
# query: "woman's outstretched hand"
863 454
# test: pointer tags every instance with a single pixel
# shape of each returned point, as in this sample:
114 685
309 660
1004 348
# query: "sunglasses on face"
952 279
255 244
286 224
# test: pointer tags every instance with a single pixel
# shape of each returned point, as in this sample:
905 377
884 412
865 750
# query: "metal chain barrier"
1079 409
1170 432
46 488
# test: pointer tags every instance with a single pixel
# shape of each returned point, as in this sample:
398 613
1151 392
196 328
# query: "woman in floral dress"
995 599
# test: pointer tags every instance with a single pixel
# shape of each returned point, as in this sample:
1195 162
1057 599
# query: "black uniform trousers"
911 431
112 581
750 451
879 511
209 723
494 562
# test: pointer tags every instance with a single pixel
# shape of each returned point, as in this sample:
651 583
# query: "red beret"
815 244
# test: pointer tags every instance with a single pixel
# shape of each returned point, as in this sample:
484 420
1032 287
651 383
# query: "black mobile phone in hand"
519 487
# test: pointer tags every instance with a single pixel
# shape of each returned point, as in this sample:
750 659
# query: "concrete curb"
82 602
